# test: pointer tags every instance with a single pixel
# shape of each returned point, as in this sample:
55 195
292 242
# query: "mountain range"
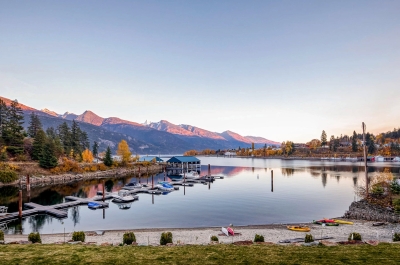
148 138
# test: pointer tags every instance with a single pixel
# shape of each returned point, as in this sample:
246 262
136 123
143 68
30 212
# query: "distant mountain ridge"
155 137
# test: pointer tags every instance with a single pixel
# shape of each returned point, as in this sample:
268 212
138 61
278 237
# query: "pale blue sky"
284 70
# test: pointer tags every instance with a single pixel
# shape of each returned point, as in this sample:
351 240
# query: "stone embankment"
362 210
73 177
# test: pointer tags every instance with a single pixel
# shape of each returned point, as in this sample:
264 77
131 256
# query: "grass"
213 254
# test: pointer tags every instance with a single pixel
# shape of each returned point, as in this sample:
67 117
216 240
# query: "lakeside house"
181 164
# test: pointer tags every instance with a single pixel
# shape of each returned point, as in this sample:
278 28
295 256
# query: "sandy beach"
272 233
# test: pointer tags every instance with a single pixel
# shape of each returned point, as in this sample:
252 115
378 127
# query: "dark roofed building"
151 159
180 164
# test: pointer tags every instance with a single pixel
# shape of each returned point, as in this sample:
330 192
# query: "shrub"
214 239
354 236
309 238
78 236
34 238
8 176
166 238
259 238
128 238
1 235
396 237
102 167
395 186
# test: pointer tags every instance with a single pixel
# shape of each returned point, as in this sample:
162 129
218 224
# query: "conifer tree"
336 144
354 146
47 158
13 132
38 145
95 149
64 133
34 125
332 143
3 116
324 140
107 158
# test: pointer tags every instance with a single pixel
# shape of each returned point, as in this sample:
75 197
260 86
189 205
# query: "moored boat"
123 197
343 222
327 224
299 228
230 231
94 205
190 175
164 186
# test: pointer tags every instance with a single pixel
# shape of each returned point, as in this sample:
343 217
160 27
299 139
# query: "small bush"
78 236
129 238
395 187
396 237
214 239
102 167
8 176
259 238
166 238
1 235
309 238
34 238
354 236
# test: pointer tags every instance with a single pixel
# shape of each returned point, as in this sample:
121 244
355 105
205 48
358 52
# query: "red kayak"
230 231
326 221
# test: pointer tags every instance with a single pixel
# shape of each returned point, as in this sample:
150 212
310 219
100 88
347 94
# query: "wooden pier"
54 210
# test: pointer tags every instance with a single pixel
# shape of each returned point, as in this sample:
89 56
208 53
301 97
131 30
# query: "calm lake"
302 191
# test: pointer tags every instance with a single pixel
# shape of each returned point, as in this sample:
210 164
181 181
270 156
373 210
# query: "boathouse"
150 159
181 164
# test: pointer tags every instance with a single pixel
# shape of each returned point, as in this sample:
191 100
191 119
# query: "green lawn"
214 254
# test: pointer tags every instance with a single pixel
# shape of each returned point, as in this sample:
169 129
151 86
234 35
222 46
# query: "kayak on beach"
342 222
327 224
299 228
230 231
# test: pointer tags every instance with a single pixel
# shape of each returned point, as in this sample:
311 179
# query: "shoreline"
201 235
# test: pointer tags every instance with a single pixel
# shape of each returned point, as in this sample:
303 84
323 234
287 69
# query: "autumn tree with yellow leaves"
124 152
87 156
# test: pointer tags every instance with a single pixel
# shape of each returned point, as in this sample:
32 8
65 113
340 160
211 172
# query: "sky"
283 70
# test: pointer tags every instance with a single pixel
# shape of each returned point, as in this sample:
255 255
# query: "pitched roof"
183 159
150 158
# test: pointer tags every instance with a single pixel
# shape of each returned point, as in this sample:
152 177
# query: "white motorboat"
3 210
190 175
133 186
164 186
123 197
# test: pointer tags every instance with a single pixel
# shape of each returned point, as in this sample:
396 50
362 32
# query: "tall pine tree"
34 125
95 149
13 132
3 116
107 158
354 146
38 145
48 159
324 140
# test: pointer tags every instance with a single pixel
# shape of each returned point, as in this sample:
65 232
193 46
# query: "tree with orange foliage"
124 152
87 156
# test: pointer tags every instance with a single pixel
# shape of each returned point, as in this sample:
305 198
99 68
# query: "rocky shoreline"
362 210
36 181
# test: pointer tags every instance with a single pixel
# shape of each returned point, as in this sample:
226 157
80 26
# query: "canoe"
326 220
342 222
225 231
299 228
327 224
230 231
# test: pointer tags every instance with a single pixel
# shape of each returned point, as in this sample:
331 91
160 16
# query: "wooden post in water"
104 191
209 170
272 181
365 160
152 181
139 174
28 184
165 173
152 198
20 204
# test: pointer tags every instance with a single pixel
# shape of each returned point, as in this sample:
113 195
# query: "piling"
152 182
209 170
165 174
104 190
139 174
272 181
28 184
20 204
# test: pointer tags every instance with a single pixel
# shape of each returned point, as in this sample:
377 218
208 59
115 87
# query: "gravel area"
271 233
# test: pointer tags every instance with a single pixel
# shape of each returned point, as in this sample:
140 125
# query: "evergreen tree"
13 132
354 146
331 142
47 158
95 149
3 116
107 158
51 133
336 144
64 133
370 143
34 125
324 140
38 145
